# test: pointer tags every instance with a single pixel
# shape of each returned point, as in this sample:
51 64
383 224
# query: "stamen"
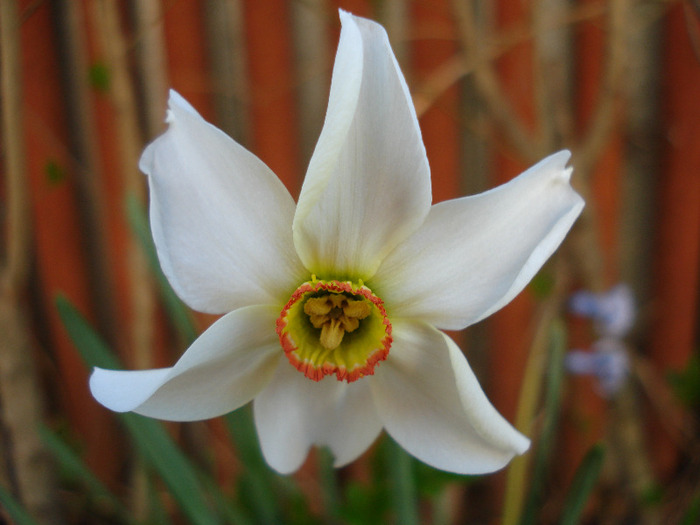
335 314
334 327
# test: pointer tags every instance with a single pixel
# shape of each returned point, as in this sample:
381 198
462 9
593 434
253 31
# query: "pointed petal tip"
466 435
195 174
349 20
177 102
564 155
370 145
346 16
560 160
521 445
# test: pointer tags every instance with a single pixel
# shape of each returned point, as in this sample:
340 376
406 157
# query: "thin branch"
22 404
310 40
553 72
18 231
489 86
602 122
83 155
461 65
227 54
151 63
105 16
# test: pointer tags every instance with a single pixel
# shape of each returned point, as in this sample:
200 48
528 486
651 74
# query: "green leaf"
330 491
99 76
14 509
91 347
542 284
55 173
257 482
686 383
552 406
151 440
692 513
157 514
177 311
403 486
582 485
160 452
71 463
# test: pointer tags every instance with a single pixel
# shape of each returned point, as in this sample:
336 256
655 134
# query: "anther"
335 314
334 327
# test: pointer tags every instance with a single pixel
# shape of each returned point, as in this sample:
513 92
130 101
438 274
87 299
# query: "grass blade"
403 487
257 479
552 406
149 436
73 465
330 491
14 510
581 487
177 311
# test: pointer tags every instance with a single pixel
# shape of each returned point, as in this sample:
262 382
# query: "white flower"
350 286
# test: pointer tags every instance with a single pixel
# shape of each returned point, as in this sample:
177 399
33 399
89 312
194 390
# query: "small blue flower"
613 311
608 362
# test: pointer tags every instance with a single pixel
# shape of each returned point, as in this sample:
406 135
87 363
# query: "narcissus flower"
334 305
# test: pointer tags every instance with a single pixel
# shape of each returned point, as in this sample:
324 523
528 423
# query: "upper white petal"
293 413
221 219
368 183
431 403
474 255
223 369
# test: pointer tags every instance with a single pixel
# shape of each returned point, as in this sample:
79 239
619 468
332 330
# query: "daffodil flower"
334 306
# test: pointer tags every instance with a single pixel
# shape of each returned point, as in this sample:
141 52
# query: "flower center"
334 327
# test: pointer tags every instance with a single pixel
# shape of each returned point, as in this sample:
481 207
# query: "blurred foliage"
100 78
55 173
399 489
686 383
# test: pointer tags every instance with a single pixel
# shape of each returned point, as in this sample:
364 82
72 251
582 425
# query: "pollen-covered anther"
334 327
335 314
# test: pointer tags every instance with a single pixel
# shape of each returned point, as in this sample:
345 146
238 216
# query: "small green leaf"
542 284
100 77
55 174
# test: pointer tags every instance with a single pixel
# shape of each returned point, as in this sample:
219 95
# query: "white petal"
293 413
221 220
474 255
368 183
431 403
223 369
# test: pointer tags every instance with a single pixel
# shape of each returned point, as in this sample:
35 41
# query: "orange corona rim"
334 327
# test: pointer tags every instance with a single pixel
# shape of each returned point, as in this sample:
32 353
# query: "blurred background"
597 360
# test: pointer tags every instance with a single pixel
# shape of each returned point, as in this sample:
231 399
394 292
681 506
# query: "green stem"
403 486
